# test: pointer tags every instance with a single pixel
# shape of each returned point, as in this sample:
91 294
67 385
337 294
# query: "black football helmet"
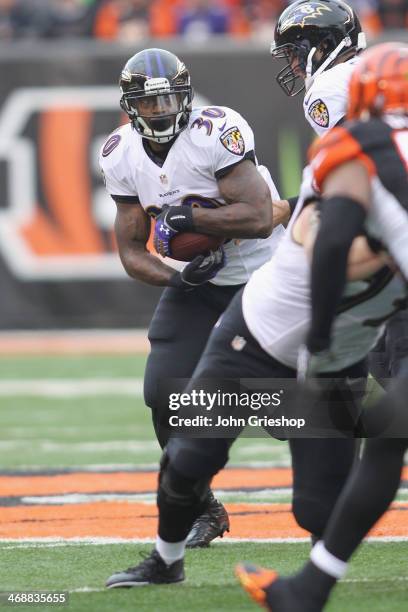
156 94
310 36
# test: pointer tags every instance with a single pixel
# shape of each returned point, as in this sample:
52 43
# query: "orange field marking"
139 482
137 520
73 343
121 519
134 482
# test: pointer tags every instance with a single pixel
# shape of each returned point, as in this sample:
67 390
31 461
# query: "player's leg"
221 360
368 493
366 496
186 470
224 358
189 464
193 460
321 466
178 334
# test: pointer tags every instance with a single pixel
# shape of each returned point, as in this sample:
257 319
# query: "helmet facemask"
160 111
311 36
291 77
305 62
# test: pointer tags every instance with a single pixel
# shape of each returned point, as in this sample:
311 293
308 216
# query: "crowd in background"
197 20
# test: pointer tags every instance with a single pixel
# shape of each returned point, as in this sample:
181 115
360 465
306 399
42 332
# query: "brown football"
187 245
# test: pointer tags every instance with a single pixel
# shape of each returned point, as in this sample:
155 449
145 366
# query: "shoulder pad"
208 124
335 77
335 148
117 138
215 113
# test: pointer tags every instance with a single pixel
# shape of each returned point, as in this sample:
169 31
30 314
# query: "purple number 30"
212 111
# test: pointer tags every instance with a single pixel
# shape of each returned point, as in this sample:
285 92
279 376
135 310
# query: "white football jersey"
325 102
277 305
216 138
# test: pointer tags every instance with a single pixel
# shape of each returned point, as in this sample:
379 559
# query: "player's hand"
308 364
304 364
199 271
171 221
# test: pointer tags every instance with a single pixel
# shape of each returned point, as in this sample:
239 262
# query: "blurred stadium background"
78 459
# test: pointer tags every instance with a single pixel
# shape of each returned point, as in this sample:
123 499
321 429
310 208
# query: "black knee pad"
180 501
177 490
197 458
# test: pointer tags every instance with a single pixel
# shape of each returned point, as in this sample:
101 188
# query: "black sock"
314 582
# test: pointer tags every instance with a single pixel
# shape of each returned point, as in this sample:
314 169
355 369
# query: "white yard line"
49 446
346 580
56 470
52 542
87 590
149 498
85 498
28 470
67 388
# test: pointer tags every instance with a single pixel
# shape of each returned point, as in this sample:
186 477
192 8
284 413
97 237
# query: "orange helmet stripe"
379 83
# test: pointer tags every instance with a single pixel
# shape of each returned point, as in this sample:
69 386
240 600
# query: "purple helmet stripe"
160 65
148 63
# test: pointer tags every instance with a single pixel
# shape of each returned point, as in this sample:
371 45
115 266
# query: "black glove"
178 218
199 271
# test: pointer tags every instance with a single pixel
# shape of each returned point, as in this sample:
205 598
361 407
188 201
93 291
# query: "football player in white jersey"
193 169
320 42
241 346
361 169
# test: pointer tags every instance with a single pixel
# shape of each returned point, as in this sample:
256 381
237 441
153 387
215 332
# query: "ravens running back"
190 169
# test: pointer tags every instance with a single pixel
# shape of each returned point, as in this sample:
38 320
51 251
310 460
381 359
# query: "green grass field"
42 428
210 584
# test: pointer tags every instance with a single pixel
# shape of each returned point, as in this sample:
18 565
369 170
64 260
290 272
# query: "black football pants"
178 333
320 466
389 358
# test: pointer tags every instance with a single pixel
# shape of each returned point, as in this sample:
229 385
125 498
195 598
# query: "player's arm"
249 211
132 229
346 197
362 262
282 211
132 224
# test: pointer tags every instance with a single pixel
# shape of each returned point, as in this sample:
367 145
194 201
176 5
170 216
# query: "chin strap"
346 42
309 67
